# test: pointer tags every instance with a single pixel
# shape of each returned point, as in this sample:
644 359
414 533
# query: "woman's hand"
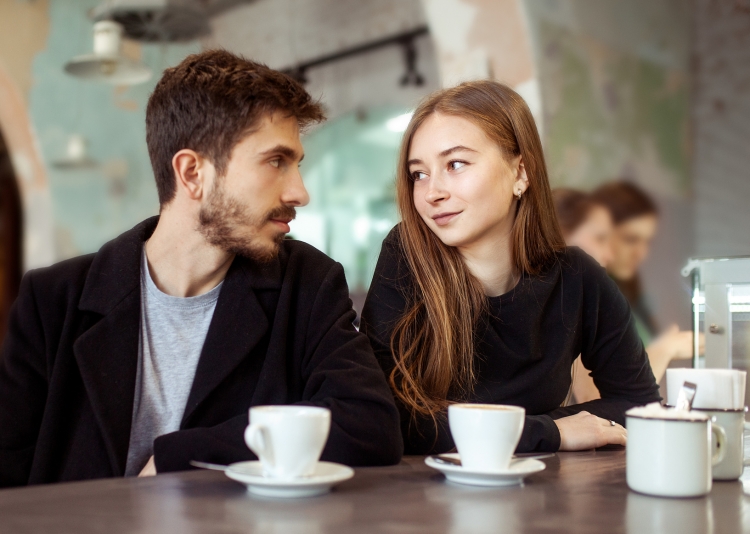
584 431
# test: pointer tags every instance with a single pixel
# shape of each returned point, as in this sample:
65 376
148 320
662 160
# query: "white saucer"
514 475
326 475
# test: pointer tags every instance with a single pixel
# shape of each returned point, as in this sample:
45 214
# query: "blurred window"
349 171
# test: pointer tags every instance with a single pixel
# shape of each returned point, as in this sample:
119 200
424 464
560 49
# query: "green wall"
92 206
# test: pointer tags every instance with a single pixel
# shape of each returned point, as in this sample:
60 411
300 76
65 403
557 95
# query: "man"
148 354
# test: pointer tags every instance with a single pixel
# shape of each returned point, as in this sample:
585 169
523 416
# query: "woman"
475 297
635 218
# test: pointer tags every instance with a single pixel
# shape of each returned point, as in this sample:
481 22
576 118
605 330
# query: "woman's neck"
490 260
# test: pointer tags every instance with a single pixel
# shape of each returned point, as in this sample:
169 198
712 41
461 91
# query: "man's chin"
261 250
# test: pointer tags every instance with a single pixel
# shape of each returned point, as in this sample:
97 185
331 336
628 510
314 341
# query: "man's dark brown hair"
209 103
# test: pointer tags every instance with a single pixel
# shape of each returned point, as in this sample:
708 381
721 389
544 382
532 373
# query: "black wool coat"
281 333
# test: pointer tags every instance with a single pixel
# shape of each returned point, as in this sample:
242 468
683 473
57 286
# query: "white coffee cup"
733 423
670 453
486 435
288 440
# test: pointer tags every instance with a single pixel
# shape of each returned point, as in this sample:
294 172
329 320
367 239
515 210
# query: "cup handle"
721 444
256 437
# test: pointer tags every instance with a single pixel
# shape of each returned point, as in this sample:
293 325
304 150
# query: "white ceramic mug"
288 440
486 435
733 423
670 454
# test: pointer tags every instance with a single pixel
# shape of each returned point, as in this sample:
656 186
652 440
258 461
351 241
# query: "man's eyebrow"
444 153
285 151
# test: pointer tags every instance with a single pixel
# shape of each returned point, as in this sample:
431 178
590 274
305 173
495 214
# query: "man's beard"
227 223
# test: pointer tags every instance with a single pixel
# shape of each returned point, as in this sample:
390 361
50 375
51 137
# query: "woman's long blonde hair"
433 341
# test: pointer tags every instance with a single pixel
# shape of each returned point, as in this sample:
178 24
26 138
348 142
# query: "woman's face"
593 235
463 186
631 241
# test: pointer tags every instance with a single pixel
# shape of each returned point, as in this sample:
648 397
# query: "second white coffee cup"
486 435
288 440
670 453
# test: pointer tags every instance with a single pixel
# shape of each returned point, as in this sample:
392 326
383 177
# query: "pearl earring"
518 194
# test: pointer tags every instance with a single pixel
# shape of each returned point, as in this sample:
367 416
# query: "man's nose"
295 193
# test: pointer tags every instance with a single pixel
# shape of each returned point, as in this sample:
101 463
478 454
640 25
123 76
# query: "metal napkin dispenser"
721 310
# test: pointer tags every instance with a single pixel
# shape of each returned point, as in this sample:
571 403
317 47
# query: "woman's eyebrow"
456 148
444 153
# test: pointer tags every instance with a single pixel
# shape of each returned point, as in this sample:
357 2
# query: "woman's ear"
522 181
191 172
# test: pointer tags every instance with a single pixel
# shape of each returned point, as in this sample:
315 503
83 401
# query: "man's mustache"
282 212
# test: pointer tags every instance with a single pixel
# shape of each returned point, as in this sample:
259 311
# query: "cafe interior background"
650 91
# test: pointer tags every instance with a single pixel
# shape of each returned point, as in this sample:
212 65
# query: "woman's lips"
444 218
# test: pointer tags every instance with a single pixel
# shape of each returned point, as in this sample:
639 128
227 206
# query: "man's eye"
455 165
417 175
275 163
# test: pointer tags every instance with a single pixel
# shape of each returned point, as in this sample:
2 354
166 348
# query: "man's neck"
181 262
490 260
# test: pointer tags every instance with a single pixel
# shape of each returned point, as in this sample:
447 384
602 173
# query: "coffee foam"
657 411
494 407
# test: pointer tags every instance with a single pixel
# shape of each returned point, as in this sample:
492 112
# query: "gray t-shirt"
173 330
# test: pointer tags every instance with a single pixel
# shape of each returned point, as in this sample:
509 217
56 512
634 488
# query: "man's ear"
522 181
191 171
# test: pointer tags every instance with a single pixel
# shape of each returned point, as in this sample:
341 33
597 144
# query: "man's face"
247 211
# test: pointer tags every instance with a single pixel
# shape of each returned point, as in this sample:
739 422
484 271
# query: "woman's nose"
436 192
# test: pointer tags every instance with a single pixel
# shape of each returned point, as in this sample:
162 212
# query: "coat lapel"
107 356
107 353
238 325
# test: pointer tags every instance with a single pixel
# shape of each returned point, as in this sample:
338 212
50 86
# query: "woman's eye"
455 165
417 175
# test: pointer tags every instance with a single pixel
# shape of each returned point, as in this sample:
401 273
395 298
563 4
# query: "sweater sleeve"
611 349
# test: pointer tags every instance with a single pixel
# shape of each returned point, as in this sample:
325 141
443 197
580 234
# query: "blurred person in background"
584 223
635 218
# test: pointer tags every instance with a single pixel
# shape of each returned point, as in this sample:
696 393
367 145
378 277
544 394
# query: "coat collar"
107 353
116 270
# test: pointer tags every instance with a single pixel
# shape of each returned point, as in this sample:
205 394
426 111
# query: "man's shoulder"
67 273
305 259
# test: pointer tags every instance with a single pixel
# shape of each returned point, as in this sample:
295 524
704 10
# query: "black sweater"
281 333
526 346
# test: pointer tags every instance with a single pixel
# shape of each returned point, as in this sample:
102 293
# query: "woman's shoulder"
393 240
392 267
578 267
573 260
572 263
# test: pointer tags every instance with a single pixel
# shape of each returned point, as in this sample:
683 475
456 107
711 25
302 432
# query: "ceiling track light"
107 64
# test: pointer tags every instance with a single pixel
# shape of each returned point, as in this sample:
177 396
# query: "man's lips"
441 219
283 223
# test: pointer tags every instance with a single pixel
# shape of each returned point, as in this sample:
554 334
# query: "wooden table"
578 492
